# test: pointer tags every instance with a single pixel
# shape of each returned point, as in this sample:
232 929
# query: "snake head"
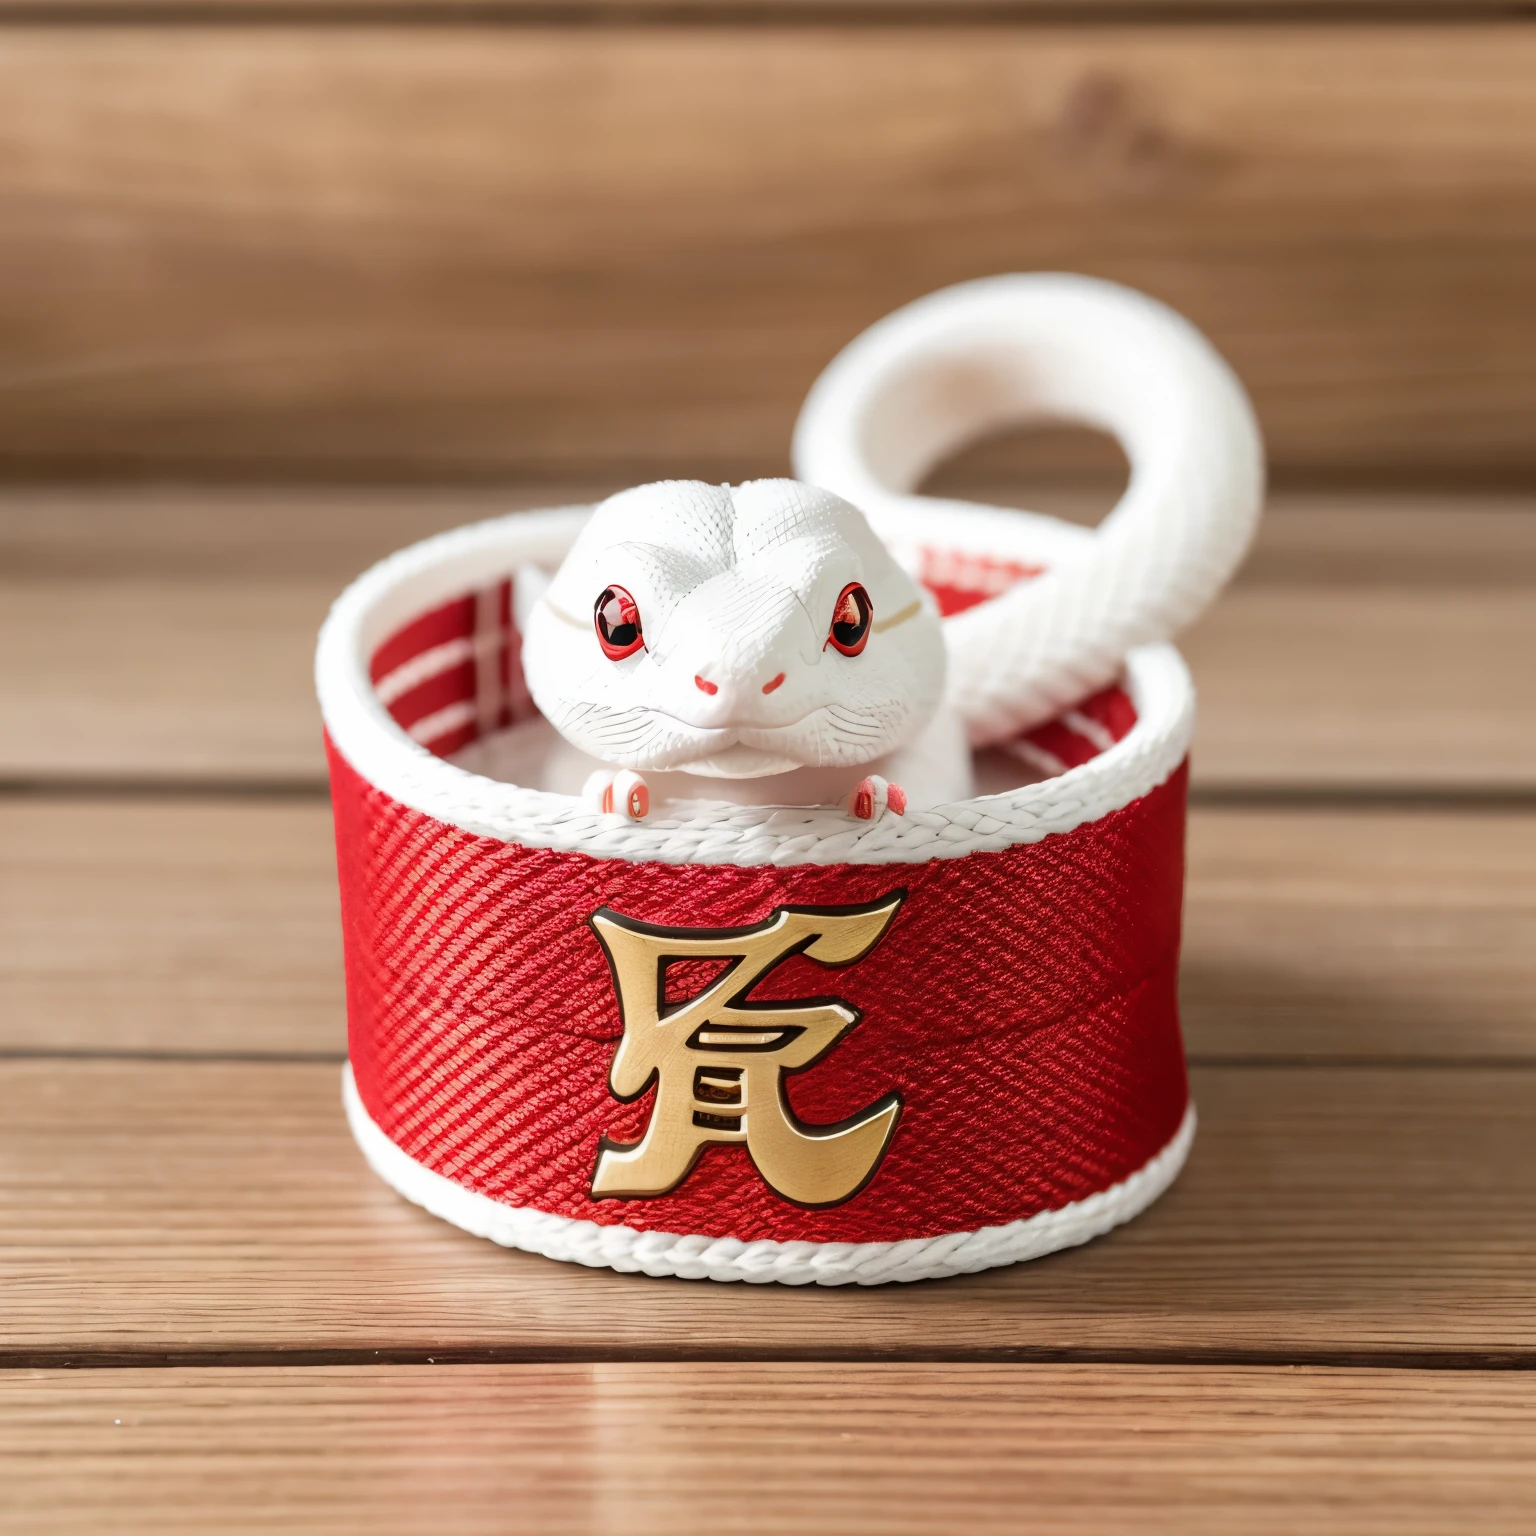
733 631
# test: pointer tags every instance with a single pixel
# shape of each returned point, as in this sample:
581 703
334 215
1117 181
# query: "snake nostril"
704 685
773 683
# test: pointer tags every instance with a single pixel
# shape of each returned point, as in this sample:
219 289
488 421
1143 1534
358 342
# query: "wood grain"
462 250
785 1447
874 13
170 637
186 1211
1360 934
188 681
1371 539
209 927
1343 688
63 532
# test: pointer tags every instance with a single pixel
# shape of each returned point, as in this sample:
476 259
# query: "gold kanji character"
718 1060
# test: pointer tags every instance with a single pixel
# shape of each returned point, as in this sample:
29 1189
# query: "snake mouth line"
734 728
729 751
734 751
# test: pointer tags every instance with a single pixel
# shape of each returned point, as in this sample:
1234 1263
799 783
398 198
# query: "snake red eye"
617 617
851 620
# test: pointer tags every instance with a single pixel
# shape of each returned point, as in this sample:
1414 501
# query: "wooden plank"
1360 934
790 12
65 532
1346 688
785 1447
182 1212
381 250
194 681
174 641
1394 540
1370 539
169 926
210 927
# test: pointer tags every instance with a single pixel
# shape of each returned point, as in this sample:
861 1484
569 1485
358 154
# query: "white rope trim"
418 578
630 1250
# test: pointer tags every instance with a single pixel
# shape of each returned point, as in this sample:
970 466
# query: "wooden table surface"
216 1319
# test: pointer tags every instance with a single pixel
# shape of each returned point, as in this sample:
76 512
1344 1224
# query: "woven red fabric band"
1021 1003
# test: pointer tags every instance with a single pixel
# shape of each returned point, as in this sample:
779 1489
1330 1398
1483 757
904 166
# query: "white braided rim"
414 580
965 361
630 1250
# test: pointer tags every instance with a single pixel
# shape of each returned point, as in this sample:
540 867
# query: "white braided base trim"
727 1258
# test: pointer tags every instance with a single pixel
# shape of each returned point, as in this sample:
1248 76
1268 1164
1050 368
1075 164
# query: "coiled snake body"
758 644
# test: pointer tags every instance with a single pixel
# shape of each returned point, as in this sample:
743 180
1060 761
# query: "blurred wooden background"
506 241
287 283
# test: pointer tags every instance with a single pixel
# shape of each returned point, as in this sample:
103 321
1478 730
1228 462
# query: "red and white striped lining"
959 579
455 673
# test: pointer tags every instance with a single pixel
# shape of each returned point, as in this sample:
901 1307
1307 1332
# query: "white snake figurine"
758 644
751 644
